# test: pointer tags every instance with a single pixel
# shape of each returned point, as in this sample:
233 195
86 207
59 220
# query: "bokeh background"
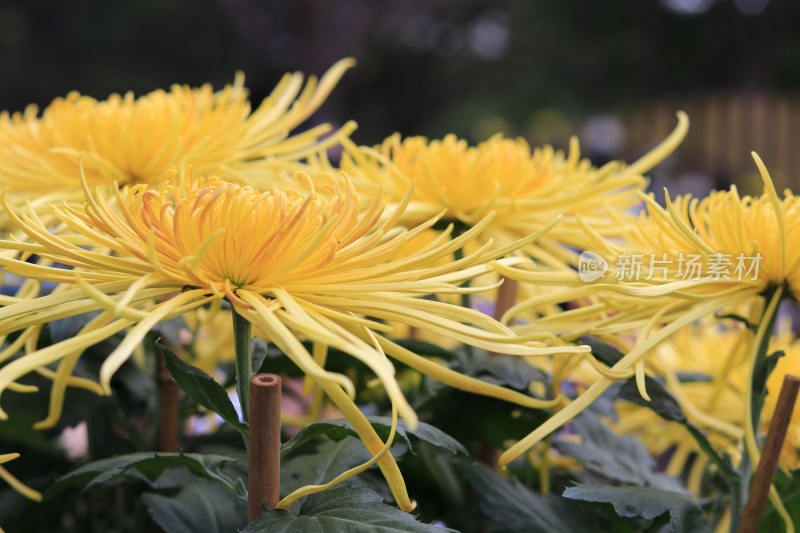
613 72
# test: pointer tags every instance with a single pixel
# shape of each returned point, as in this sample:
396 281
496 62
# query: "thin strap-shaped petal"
123 351
460 381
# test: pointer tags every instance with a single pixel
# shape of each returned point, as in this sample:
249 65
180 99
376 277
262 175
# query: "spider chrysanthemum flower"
298 263
746 248
524 187
132 140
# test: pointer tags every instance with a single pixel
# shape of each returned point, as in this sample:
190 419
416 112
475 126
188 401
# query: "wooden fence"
724 129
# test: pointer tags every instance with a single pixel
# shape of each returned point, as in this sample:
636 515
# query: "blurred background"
613 72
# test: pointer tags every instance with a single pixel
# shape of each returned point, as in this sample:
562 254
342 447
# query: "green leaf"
203 389
149 464
510 507
661 400
342 510
723 462
498 369
761 373
258 352
664 404
339 428
602 351
613 456
198 506
514 372
490 420
330 459
685 515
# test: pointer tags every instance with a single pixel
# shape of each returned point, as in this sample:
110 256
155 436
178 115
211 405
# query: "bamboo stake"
169 423
506 297
770 454
264 450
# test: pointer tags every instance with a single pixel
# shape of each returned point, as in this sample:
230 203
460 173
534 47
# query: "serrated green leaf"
330 459
514 372
664 404
339 428
510 507
149 464
685 515
344 510
490 420
614 457
202 388
504 370
198 506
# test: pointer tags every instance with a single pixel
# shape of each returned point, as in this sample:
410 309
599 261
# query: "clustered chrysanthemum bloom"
675 265
524 187
293 262
129 140
143 209
721 227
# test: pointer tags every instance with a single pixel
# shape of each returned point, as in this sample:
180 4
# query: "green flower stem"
244 361
754 400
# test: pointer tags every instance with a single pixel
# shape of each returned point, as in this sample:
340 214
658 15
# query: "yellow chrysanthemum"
296 263
715 359
524 188
16 484
132 140
717 228
745 247
724 247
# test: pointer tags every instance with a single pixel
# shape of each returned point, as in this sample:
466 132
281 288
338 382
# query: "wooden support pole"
765 472
264 450
506 297
169 413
